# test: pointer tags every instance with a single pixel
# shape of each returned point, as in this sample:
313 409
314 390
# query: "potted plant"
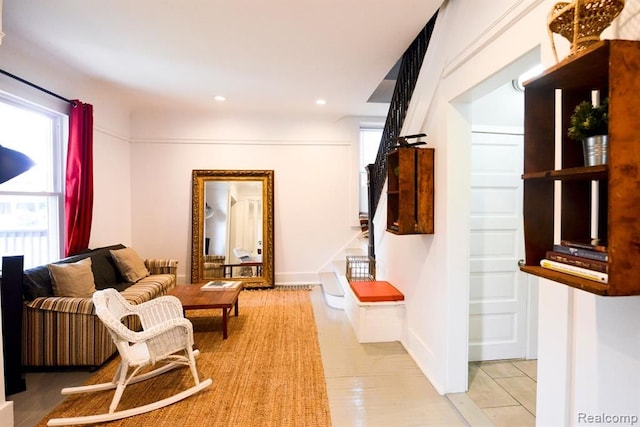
590 124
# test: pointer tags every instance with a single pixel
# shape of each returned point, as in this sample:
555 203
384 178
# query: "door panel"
493 328
498 298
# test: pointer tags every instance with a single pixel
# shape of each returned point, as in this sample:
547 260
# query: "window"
31 204
369 143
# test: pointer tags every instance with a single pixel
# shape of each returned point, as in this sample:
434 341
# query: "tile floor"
505 391
372 385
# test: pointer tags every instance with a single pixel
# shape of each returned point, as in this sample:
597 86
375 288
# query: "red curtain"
78 202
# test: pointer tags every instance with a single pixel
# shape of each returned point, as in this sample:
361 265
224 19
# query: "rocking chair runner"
166 337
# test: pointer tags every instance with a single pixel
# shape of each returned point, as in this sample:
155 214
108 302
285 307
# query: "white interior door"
498 293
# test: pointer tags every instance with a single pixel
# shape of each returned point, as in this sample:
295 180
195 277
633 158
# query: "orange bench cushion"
377 291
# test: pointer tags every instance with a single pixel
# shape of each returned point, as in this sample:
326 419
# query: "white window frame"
32 248
364 161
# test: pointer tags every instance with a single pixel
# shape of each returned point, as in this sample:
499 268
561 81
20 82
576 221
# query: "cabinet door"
410 190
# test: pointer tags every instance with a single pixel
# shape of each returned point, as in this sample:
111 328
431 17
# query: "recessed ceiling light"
219 98
320 102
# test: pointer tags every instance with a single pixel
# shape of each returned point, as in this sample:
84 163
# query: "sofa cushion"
72 279
149 288
130 264
63 305
37 280
37 283
145 290
105 271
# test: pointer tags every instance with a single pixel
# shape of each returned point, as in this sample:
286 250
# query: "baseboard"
6 414
424 357
300 277
284 279
295 286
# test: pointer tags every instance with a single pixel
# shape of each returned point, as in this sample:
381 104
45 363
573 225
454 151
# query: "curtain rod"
33 85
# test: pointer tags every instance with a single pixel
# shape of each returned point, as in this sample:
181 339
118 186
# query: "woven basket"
582 29
360 268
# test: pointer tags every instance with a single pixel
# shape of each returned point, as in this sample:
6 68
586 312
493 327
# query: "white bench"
374 319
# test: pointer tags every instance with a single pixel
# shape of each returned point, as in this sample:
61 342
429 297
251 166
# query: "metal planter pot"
595 149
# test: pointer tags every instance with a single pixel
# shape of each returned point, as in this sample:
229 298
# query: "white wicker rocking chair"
166 337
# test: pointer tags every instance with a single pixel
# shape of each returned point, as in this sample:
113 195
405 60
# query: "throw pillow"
130 264
73 279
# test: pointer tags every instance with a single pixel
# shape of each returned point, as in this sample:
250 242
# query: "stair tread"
355 251
330 284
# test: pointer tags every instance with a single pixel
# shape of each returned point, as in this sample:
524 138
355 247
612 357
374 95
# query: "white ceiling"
272 56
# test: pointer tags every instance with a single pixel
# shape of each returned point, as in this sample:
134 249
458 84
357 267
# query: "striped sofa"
64 331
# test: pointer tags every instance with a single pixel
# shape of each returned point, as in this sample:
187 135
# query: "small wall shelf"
410 190
609 67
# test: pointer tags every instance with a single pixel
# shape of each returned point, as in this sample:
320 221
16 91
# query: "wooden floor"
380 384
373 385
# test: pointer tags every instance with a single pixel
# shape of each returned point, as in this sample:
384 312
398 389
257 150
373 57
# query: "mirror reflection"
232 226
232 229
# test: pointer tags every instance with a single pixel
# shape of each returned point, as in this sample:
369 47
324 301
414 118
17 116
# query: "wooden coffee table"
192 298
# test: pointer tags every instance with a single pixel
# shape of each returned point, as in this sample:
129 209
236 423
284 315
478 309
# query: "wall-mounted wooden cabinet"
611 68
410 190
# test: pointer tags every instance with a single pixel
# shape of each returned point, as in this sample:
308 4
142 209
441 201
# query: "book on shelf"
591 244
364 222
584 253
591 264
219 285
584 273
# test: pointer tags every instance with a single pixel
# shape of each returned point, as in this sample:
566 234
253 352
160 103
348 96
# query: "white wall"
503 108
112 181
588 347
588 361
587 343
112 218
143 163
315 207
433 270
112 190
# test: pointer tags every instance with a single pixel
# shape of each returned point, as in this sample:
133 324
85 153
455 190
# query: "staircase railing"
405 84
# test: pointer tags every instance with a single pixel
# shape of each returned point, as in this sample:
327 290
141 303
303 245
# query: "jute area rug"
268 372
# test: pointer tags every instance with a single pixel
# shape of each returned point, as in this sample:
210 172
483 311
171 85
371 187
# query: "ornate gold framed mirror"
232 226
